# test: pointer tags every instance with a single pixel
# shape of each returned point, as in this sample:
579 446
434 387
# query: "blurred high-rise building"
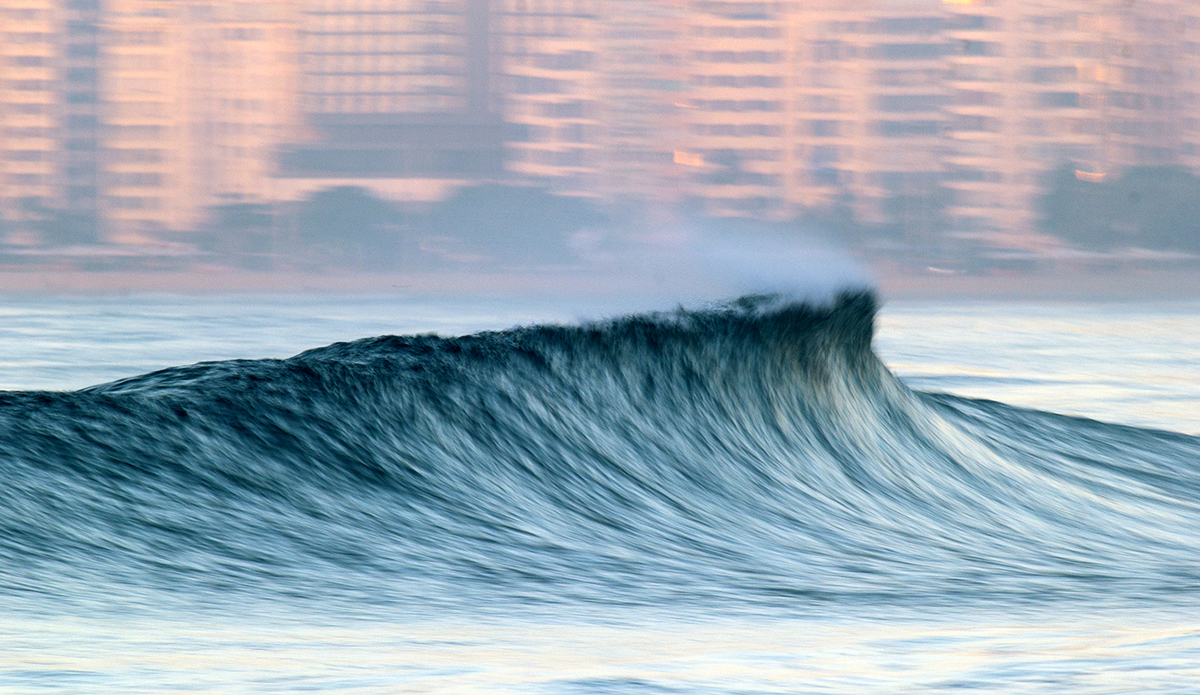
198 96
934 119
240 97
737 106
869 97
553 88
135 116
30 137
591 87
50 139
837 103
1145 105
940 119
1027 81
144 114
395 93
1040 84
643 65
80 103
1188 30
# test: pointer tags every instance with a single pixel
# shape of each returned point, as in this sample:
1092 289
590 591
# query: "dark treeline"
485 227
504 227
512 227
491 224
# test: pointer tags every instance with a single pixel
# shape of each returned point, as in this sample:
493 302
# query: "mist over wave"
690 261
752 454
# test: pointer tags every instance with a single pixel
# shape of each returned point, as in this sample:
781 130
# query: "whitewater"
734 497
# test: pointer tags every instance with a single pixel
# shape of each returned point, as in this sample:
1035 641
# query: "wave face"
756 453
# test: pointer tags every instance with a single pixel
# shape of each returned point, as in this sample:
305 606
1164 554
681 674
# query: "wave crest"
755 452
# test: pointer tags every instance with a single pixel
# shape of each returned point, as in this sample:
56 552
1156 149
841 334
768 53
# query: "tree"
512 224
1148 207
69 228
57 227
353 226
1159 208
242 230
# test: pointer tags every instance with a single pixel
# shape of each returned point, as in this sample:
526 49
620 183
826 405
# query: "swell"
754 453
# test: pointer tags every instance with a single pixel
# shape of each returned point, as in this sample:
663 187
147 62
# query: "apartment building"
1188 31
1027 96
836 103
643 61
1145 100
869 98
1039 84
79 109
240 99
136 116
984 159
30 138
396 95
905 111
197 99
553 87
50 135
144 114
147 114
592 89
738 106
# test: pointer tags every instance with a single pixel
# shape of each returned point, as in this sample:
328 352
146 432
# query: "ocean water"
758 496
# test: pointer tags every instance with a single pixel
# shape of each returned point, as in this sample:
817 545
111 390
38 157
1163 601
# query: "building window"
909 51
909 129
897 103
826 129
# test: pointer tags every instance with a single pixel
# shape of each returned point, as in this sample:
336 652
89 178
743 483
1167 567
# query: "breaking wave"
756 453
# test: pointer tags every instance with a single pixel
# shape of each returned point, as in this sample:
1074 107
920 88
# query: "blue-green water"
741 498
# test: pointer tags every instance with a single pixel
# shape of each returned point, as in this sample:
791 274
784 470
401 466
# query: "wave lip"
754 453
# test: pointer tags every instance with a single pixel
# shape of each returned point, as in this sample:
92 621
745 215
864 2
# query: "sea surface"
379 494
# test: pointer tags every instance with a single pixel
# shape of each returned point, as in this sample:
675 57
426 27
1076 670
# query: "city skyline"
125 121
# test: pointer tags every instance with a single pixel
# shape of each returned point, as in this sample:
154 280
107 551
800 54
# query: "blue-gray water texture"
752 455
